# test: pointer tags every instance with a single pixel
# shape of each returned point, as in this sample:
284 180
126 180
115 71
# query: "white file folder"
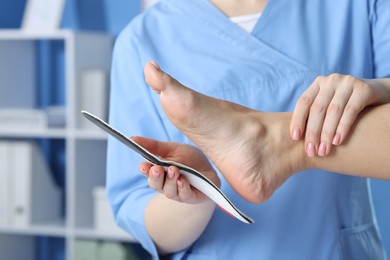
36 198
4 184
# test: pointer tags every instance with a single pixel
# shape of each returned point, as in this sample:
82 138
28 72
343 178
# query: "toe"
153 76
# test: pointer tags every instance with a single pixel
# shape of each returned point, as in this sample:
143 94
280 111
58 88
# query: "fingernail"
180 184
155 64
336 139
296 134
156 173
322 149
310 150
171 174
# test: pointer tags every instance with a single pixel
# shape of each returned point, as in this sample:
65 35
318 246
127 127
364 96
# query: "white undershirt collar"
246 22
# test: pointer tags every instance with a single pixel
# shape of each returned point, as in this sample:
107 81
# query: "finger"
354 106
170 185
144 168
315 120
163 149
301 111
185 191
332 119
156 178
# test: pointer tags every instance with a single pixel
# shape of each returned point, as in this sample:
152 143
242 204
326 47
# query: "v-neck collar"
263 18
207 14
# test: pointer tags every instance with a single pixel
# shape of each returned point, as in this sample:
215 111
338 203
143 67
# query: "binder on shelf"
35 197
103 216
115 250
86 250
93 94
99 250
4 184
11 118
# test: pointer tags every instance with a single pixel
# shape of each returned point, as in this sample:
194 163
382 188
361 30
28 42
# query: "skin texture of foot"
253 157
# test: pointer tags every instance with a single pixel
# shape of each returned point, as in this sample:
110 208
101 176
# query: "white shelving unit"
85 148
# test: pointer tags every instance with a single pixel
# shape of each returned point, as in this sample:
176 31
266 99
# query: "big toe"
153 76
160 81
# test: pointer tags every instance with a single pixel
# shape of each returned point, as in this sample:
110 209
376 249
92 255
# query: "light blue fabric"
315 214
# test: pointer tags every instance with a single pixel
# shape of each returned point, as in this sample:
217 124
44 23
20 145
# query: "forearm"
173 225
366 152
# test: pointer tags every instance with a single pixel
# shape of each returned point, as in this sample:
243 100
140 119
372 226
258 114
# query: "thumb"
162 149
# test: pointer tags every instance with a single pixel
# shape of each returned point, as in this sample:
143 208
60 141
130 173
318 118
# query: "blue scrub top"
315 214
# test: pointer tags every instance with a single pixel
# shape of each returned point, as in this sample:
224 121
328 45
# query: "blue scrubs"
315 214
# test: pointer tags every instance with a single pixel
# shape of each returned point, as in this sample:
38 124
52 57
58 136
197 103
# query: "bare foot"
253 157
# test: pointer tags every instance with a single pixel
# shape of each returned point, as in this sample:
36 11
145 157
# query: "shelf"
76 155
90 233
36 35
90 134
56 133
53 229
57 229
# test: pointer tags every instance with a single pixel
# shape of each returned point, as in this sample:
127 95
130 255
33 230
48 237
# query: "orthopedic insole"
194 177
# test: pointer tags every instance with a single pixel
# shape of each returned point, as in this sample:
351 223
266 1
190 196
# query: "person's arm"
178 215
174 225
327 110
366 152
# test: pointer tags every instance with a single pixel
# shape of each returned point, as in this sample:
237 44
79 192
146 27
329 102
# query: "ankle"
257 126
290 152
